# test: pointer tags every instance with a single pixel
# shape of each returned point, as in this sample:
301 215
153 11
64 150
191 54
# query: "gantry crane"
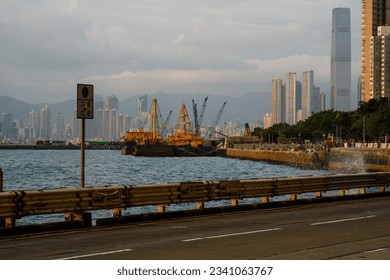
184 133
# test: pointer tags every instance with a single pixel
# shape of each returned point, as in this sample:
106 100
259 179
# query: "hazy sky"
133 47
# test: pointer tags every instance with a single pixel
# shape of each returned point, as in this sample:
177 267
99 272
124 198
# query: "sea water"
49 169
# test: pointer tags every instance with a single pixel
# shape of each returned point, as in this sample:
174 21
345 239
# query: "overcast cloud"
143 46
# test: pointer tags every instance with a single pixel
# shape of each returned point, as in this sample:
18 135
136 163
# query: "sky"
126 48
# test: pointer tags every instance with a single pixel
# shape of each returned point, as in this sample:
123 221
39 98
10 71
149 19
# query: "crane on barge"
145 137
184 142
184 133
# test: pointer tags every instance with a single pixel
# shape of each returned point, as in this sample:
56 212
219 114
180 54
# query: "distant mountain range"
250 107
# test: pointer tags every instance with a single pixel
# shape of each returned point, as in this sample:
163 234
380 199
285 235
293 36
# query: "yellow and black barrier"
75 202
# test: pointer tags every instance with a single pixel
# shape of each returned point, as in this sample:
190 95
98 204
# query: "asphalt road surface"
358 229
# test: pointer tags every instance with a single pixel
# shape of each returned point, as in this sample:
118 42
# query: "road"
358 229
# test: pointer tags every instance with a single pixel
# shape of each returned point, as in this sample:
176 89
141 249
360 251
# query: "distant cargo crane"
198 121
165 125
202 112
216 121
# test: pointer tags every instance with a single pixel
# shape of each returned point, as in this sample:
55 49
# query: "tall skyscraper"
307 93
311 102
60 126
375 13
111 103
340 95
34 125
380 63
75 126
322 101
45 123
7 125
291 98
142 105
278 101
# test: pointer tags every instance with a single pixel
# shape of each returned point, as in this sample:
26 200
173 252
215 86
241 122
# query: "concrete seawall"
303 158
360 159
346 160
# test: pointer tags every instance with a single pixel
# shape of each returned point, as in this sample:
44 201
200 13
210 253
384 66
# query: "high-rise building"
7 126
267 119
112 125
278 101
375 13
291 98
340 95
142 105
75 126
60 125
322 101
380 63
311 101
111 103
307 93
34 125
97 120
45 123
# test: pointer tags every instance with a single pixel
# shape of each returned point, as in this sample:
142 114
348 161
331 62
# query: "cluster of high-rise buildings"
38 126
107 125
294 101
373 83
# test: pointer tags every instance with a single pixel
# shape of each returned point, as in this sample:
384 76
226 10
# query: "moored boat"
183 142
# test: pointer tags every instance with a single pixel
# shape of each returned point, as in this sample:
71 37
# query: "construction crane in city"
198 121
216 121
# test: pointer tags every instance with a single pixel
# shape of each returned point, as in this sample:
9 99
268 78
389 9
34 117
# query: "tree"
346 125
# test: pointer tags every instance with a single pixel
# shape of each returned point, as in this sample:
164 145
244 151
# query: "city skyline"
60 123
181 46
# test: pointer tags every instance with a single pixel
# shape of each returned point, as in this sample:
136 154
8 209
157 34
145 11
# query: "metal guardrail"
74 202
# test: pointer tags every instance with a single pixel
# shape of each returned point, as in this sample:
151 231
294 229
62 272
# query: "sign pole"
82 153
84 111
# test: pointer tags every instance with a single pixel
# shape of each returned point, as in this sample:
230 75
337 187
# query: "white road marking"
97 254
377 250
232 234
343 220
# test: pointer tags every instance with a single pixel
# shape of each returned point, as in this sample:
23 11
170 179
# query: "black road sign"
84 101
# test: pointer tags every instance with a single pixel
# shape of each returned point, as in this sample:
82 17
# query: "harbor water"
49 169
